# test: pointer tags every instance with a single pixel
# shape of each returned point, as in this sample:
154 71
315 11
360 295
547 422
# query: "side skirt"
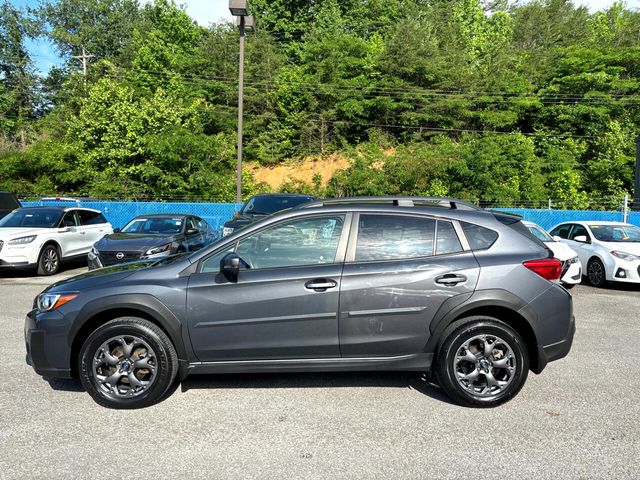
415 362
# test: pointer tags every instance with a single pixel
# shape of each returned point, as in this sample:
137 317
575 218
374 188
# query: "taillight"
548 268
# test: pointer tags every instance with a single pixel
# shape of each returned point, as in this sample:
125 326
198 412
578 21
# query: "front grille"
110 258
1 245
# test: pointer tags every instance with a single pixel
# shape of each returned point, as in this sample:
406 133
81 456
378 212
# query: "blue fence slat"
119 213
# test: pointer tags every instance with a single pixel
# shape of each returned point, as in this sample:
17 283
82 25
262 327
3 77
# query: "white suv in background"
571 267
610 251
43 237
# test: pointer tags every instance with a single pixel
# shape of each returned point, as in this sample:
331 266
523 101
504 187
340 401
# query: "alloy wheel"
596 273
124 366
50 260
485 365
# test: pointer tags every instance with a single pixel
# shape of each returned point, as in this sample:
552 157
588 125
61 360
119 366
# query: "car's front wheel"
596 273
49 260
482 362
127 363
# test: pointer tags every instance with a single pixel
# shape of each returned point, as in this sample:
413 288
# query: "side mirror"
192 231
581 239
69 224
116 230
230 266
557 238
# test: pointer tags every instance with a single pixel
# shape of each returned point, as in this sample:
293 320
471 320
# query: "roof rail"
452 203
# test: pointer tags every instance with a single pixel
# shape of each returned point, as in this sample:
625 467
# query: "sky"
206 12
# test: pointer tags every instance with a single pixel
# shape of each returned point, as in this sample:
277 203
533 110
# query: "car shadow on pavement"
421 383
65 384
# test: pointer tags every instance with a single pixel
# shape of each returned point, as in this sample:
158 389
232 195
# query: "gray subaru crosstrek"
417 284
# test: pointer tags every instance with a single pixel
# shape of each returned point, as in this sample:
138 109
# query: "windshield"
33 218
267 205
616 233
540 233
154 225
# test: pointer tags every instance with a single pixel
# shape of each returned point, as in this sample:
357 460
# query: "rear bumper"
556 351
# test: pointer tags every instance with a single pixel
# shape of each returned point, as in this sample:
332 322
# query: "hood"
128 242
16 232
561 251
99 277
627 247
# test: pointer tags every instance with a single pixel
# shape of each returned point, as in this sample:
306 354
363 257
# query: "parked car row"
43 237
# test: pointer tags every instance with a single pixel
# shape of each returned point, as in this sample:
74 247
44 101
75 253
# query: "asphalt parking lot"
579 419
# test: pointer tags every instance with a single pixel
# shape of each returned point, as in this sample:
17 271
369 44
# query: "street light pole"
240 114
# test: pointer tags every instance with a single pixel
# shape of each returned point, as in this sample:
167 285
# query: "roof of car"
62 208
593 222
283 195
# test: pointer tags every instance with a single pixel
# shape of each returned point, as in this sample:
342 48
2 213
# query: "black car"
151 237
8 203
259 206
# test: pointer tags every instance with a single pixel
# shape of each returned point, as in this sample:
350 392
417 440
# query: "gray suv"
417 284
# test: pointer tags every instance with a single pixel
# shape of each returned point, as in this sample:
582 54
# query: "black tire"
596 273
161 374
49 260
448 362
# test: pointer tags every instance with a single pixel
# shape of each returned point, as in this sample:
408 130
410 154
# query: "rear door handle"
320 284
450 279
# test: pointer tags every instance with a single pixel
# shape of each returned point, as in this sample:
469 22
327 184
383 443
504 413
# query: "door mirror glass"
230 266
192 231
581 239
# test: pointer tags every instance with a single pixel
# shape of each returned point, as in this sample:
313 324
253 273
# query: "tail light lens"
548 268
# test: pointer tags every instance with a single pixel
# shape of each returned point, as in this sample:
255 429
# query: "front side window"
393 237
562 231
578 231
309 241
70 219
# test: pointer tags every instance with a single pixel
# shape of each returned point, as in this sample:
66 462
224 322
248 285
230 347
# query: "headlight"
22 240
629 257
165 249
226 231
94 251
573 260
51 301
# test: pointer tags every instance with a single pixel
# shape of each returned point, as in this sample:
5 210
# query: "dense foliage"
503 103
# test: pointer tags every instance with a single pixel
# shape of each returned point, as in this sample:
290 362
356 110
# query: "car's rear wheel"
49 260
482 362
127 363
596 273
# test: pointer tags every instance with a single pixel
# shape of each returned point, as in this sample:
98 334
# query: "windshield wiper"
255 212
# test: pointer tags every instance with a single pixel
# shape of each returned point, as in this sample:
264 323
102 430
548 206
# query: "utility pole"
240 9
636 188
240 113
84 57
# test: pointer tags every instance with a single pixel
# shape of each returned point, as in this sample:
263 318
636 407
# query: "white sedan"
571 267
43 237
610 250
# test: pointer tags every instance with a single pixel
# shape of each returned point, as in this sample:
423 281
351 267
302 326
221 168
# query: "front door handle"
320 284
450 279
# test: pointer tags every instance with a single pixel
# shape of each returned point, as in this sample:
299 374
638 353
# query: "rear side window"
8 201
447 241
393 237
479 238
91 218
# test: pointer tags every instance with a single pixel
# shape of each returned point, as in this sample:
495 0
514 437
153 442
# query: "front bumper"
623 271
573 275
46 351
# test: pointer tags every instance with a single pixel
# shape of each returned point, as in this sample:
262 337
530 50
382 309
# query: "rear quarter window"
479 238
